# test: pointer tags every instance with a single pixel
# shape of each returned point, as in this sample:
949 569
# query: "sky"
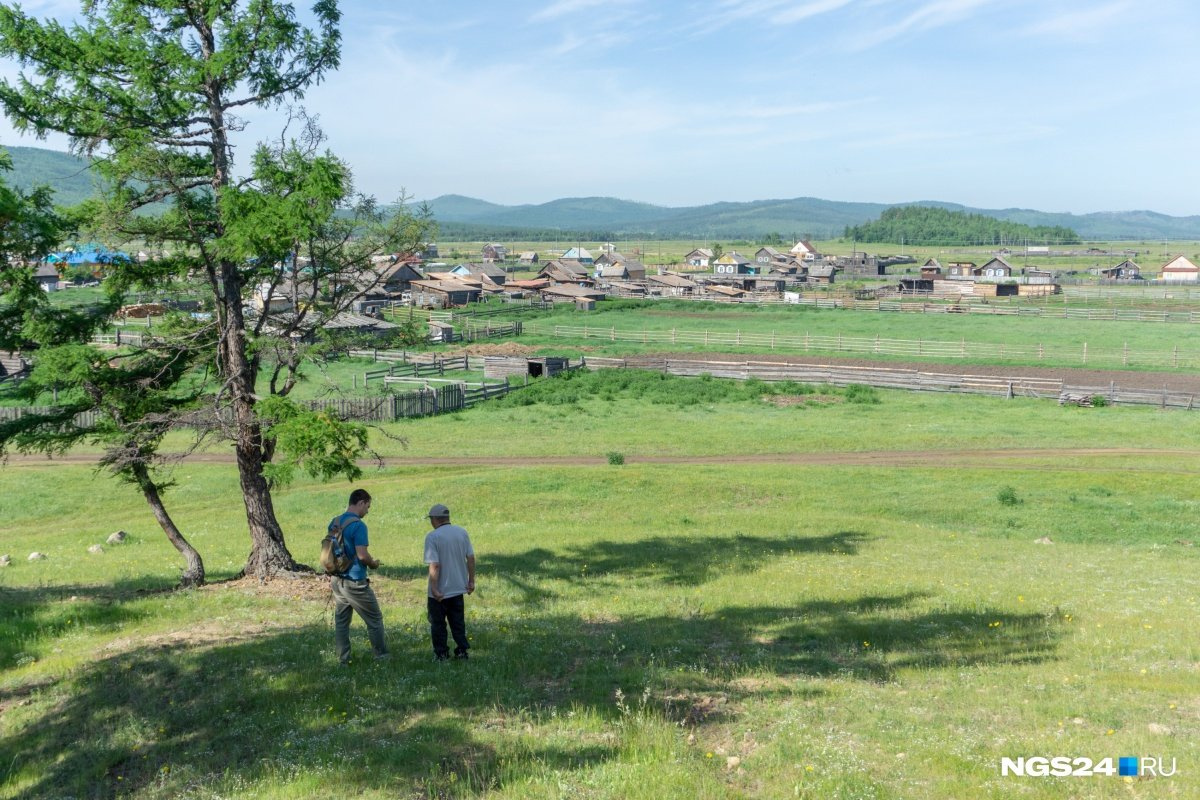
1056 105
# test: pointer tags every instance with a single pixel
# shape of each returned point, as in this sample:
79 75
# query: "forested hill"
599 218
69 177
928 225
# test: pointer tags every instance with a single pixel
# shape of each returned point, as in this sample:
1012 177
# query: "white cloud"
564 8
1087 23
934 14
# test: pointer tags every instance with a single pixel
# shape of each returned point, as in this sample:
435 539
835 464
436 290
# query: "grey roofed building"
768 255
566 291
487 269
46 276
563 271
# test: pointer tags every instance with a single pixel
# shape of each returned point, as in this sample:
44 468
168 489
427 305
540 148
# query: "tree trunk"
269 555
193 572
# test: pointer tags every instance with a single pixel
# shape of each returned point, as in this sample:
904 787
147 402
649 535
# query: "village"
583 278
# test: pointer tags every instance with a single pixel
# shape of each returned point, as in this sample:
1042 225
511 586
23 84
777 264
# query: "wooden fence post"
1085 352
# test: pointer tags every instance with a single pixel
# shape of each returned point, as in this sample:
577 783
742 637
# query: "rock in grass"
5 560
1161 730
96 548
1044 540
116 537
36 556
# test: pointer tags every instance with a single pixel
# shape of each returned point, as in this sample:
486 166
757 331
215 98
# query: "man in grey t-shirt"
451 561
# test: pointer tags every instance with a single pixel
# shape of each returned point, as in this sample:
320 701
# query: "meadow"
614 328
713 627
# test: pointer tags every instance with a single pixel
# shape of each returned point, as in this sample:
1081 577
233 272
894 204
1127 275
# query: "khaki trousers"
350 597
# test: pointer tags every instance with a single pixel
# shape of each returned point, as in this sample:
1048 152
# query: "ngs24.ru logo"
1081 767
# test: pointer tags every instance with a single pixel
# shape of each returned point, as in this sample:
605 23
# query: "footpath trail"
1092 459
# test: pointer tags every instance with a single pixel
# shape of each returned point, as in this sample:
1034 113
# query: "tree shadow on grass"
34 615
274 710
672 560
178 718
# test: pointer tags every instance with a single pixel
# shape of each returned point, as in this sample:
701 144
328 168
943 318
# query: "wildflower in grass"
866 644
708 754
808 768
1110 732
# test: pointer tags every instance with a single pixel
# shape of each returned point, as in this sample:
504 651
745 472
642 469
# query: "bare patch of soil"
311 587
494 349
789 400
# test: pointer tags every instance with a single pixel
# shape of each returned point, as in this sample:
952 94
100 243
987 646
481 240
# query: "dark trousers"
452 610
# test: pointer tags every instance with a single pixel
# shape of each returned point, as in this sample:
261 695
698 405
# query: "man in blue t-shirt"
352 591
451 561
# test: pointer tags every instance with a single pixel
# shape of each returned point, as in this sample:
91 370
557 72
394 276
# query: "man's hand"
471 586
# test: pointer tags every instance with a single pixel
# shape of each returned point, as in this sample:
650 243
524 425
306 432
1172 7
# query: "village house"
931 268
995 268
494 252
397 278
1127 270
528 257
822 273
734 263
562 271
670 285
804 250
700 257
46 276
1180 268
489 270
768 256
579 254
443 293
961 269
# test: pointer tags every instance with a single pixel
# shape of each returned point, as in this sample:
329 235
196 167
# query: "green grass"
1064 340
670 630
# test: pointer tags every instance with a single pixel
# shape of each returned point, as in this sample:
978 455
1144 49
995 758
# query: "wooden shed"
500 367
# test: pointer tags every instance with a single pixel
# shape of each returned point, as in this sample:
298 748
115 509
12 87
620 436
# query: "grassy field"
1064 342
683 630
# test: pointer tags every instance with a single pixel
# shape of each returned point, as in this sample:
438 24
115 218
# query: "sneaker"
441 656
461 655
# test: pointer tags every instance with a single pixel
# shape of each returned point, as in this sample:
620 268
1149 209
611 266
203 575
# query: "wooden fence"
896 378
423 402
878 346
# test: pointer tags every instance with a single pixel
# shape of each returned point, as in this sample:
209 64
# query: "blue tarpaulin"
87 254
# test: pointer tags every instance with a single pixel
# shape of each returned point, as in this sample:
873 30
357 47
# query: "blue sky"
1060 106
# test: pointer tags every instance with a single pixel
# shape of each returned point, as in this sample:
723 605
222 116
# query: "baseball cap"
439 511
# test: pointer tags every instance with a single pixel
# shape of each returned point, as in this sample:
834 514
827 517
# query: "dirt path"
1025 458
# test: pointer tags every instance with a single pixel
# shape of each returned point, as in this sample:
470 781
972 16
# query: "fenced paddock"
879 346
896 378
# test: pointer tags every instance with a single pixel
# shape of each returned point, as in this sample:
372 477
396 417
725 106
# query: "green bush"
857 393
1008 496
616 459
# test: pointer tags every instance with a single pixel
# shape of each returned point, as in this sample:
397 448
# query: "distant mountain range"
791 219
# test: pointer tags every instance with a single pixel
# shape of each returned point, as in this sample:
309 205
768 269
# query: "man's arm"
365 556
470 574
435 572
